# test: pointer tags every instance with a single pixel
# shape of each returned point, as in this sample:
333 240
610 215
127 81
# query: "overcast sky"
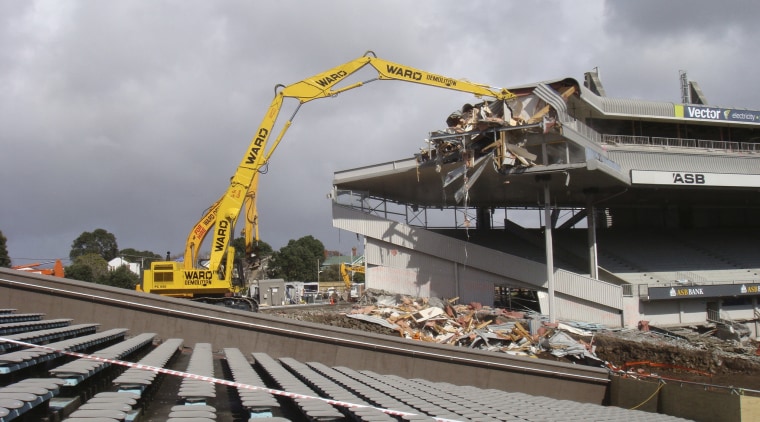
131 116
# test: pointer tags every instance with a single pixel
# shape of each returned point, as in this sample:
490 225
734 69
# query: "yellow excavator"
220 280
251 262
347 271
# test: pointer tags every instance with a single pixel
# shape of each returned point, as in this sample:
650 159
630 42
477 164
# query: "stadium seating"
125 377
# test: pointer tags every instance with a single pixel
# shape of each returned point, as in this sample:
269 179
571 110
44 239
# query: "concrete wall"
738 312
631 312
660 312
750 408
692 311
685 401
699 404
414 272
573 309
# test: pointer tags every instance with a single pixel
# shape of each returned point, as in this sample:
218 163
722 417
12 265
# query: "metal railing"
663 142
672 142
625 140
585 130
687 277
714 315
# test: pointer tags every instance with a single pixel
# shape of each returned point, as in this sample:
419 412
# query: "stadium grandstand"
620 211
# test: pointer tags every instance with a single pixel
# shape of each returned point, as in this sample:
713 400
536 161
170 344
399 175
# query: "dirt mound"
709 360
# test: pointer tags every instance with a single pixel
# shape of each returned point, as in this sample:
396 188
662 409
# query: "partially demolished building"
641 211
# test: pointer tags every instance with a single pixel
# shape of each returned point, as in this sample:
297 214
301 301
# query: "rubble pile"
476 326
695 354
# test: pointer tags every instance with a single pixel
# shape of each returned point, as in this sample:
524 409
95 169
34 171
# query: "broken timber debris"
475 326
498 128
498 133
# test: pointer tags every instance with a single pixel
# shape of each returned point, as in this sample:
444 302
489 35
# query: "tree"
359 278
94 269
331 273
120 277
5 260
79 272
98 242
261 249
299 260
90 267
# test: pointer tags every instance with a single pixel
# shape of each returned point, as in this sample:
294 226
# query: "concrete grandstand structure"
672 189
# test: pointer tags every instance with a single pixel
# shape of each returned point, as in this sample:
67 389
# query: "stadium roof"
599 166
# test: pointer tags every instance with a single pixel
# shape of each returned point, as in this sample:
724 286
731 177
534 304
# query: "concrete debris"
373 319
476 326
730 330
562 345
574 330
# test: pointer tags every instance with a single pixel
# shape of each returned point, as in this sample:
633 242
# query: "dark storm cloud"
650 20
132 116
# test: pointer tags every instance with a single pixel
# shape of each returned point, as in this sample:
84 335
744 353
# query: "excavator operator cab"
254 261
238 274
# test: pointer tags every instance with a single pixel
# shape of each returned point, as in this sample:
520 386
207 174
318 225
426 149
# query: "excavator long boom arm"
315 87
221 280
